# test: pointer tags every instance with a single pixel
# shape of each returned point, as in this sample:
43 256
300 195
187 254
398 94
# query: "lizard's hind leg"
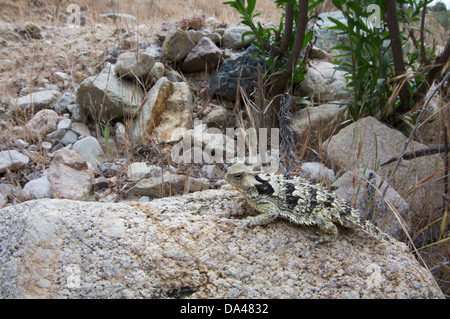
328 230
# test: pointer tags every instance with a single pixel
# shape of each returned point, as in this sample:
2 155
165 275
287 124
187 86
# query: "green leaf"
341 47
337 4
246 33
250 6
338 23
248 23
307 38
355 6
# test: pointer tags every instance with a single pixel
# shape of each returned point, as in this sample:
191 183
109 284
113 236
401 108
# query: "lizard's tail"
374 230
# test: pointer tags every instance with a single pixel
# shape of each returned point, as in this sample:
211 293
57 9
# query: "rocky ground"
92 113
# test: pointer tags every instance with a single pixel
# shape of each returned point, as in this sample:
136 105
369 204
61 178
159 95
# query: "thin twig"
420 153
405 146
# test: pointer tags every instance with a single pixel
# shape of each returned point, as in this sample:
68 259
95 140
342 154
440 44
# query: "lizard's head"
241 177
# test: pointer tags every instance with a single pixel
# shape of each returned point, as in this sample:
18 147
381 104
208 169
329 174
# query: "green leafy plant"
106 130
365 60
376 63
279 46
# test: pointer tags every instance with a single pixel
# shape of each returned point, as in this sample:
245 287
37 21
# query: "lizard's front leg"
268 212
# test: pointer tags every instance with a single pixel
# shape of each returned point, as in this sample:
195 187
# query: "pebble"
46 145
12 160
38 188
69 137
108 169
89 148
64 124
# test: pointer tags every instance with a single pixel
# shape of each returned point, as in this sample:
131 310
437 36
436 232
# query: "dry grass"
146 11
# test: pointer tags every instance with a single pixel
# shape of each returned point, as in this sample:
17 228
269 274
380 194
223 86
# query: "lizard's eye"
238 176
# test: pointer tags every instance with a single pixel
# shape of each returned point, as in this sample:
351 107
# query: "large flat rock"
190 246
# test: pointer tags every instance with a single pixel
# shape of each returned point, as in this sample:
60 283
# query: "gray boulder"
364 187
89 148
314 121
324 82
242 69
37 100
166 114
204 56
367 143
132 65
107 96
232 38
177 45
190 246
329 38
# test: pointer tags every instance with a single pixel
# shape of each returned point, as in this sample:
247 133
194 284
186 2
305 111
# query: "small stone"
81 129
144 199
64 124
205 55
55 136
177 45
61 76
21 143
77 112
69 137
69 176
65 99
106 94
38 188
108 169
46 145
194 22
133 65
212 172
325 82
157 72
318 172
38 100
154 50
89 148
195 36
42 123
171 183
30 30
121 134
7 65
218 117
232 38
118 16
12 160
140 170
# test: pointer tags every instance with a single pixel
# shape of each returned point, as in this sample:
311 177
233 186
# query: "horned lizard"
297 199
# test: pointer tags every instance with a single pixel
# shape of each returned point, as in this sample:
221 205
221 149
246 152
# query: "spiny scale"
298 200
